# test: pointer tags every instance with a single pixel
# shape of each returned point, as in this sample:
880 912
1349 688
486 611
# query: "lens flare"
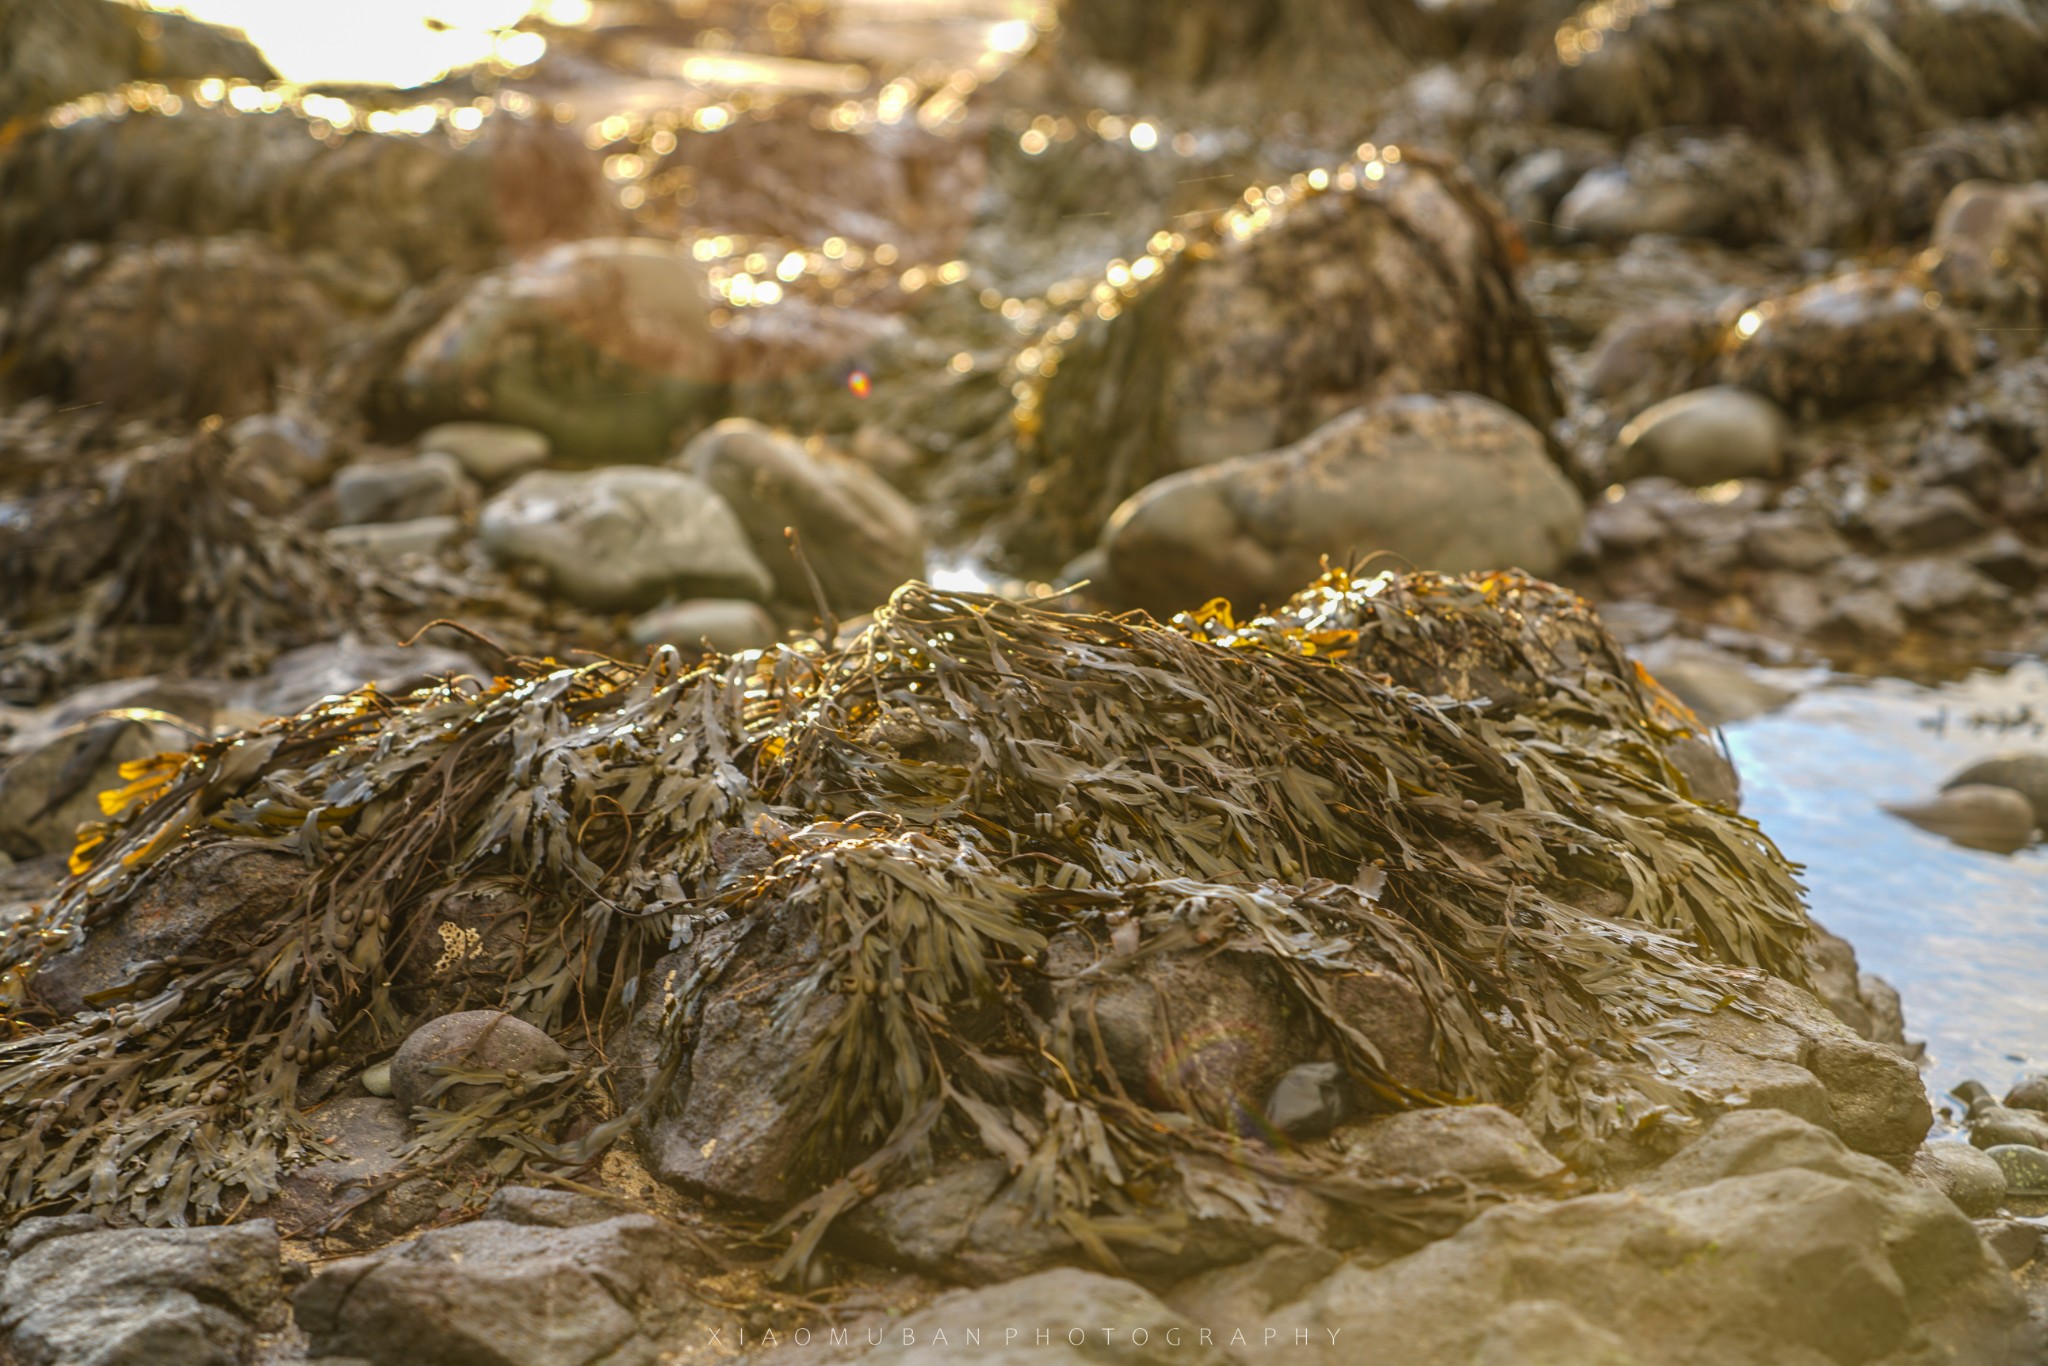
859 384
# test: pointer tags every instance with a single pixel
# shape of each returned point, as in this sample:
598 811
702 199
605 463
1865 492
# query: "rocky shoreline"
704 939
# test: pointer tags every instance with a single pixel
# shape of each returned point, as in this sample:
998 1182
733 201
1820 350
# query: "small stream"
1963 935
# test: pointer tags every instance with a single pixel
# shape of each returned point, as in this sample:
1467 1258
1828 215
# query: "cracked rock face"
75 1294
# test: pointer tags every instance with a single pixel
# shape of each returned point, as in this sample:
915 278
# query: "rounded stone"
2024 773
2030 1094
2024 1166
489 452
1975 815
480 1039
1969 1177
1705 437
728 625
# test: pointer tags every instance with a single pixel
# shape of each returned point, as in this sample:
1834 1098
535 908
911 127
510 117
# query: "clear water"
1963 935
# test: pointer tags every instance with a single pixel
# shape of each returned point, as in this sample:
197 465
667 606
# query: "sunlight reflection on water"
1963 935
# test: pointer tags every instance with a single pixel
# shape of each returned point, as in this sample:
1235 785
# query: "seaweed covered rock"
1447 482
1389 279
911 887
165 555
182 328
367 205
1849 341
57 50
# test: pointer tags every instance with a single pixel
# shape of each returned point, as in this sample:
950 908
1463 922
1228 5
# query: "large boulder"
73 1295
1396 279
608 347
860 537
1862 337
1766 1241
623 538
181 328
1451 482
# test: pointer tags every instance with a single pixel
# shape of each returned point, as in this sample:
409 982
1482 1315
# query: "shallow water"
1963 935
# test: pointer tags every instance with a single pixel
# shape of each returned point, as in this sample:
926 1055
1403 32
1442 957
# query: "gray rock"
1086 1318
386 543
141 1297
1705 437
2014 1240
346 1194
2008 559
489 452
1795 540
486 1040
1248 1291
729 1131
1975 815
1479 1143
862 538
538 1208
299 678
198 902
428 485
2026 774
1962 460
1636 622
2024 1165
1309 1100
2030 1093
1866 616
1938 589
1451 482
1864 1002
1910 520
1611 205
1771 1243
48 792
376 1078
1993 1126
1806 1063
293 445
624 537
1990 245
1848 341
1966 1175
505 1294
969 1222
728 625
